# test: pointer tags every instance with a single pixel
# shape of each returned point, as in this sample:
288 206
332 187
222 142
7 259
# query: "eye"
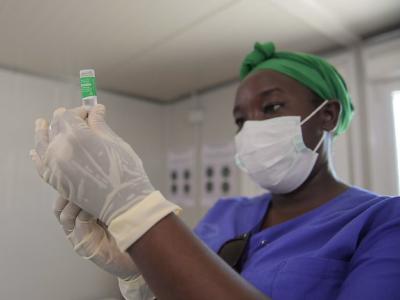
271 108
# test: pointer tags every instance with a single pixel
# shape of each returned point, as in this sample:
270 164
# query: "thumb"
96 117
97 122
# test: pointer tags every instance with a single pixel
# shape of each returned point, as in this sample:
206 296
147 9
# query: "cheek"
311 133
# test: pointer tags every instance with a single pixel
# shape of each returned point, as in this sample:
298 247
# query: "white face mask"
272 152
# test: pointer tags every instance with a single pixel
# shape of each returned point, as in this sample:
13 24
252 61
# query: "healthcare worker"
311 237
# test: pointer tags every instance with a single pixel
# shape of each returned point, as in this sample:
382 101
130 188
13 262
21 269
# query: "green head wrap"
310 70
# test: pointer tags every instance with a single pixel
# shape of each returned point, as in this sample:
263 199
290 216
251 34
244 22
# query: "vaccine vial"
88 88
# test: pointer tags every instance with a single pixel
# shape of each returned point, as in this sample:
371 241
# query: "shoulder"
362 201
378 208
384 210
378 220
374 265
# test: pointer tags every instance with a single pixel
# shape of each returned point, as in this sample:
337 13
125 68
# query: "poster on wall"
181 170
219 173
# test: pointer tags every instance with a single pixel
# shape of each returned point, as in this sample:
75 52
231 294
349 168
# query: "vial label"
88 87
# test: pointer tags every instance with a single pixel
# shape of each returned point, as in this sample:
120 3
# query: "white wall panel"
36 261
382 77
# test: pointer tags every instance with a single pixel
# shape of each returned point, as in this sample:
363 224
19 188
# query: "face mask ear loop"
320 142
314 112
240 165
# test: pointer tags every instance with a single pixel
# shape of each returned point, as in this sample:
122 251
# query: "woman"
311 237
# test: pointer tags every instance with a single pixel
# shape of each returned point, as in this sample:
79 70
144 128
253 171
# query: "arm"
88 164
375 266
176 265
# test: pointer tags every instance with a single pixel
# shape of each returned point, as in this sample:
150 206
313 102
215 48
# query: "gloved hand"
92 241
88 164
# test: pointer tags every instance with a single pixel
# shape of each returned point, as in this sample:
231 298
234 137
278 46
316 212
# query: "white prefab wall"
382 72
216 128
348 149
36 260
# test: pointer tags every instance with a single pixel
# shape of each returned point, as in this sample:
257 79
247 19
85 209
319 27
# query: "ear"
330 114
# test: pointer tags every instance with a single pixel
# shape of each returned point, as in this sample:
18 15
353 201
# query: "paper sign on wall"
219 173
181 171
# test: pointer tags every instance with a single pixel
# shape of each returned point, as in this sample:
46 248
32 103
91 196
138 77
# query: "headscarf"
310 70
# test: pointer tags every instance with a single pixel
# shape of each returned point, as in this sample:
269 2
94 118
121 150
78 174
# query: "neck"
318 189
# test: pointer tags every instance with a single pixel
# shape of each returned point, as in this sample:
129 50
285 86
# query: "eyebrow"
264 93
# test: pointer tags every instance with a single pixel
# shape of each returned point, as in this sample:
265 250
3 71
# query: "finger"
96 119
55 124
64 119
41 168
38 162
59 112
58 207
87 234
84 223
84 216
80 111
41 137
68 216
73 121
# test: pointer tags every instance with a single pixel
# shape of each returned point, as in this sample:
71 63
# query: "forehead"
265 80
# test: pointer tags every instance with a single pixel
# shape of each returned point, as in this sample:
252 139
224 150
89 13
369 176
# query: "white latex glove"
88 164
91 166
91 240
135 289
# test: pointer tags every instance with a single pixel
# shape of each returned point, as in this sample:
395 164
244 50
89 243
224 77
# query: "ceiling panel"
364 17
212 51
57 37
165 48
